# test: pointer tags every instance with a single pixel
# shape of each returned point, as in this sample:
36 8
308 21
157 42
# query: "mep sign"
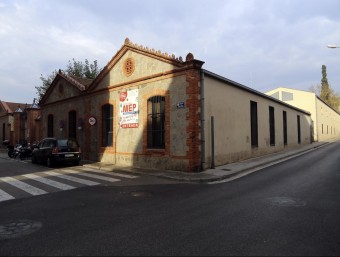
128 109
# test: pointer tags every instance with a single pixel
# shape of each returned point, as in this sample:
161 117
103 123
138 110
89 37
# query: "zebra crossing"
45 182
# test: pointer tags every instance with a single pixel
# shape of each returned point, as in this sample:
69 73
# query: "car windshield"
64 143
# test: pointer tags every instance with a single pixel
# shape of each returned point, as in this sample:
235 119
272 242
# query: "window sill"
155 151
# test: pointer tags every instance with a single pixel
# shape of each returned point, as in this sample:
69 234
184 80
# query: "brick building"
19 122
151 109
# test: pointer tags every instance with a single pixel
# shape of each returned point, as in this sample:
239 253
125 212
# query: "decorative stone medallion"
129 66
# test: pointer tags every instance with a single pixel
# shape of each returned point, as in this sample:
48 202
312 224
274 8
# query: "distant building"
153 110
326 120
19 122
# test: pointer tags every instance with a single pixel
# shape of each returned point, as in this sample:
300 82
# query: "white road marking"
4 196
93 176
74 179
23 186
49 182
111 173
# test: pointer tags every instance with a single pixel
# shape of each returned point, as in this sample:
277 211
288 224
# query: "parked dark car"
52 151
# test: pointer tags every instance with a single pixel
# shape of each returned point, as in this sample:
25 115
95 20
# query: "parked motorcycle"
24 152
21 151
10 148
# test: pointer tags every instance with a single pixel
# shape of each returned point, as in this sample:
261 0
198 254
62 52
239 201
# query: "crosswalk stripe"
23 186
93 176
111 173
74 179
4 196
49 182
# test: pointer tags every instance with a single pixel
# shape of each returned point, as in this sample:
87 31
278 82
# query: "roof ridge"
80 86
5 105
159 53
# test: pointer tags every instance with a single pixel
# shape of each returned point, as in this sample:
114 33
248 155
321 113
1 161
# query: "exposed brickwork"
87 130
193 128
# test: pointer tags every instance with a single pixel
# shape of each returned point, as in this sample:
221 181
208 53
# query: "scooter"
10 148
24 152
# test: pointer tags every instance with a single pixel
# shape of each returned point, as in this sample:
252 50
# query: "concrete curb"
210 175
273 161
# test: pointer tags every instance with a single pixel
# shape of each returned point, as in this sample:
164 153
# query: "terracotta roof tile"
11 107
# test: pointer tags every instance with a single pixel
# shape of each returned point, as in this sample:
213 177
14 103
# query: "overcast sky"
261 44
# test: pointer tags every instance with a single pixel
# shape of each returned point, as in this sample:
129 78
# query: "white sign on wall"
128 109
92 120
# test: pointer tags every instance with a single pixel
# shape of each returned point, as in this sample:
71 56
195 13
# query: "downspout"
202 122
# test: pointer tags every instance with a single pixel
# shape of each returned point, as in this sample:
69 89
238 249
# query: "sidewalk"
220 173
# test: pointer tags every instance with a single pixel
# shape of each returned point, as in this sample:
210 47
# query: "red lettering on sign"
129 107
130 125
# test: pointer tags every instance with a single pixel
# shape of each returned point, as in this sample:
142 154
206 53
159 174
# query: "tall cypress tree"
325 89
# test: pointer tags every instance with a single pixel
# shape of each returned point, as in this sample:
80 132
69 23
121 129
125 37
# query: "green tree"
327 93
82 70
74 68
46 82
325 88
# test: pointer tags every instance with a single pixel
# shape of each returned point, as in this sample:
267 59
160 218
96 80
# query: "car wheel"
49 162
76 163
34 159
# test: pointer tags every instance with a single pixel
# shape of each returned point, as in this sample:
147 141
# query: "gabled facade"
124 116
326 120
6 119
152 110
19 122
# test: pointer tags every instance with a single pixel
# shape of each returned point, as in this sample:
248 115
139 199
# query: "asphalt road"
291 208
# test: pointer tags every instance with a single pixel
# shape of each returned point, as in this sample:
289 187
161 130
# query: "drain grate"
19 228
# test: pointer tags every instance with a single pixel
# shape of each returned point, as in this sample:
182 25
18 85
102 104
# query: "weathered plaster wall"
230 107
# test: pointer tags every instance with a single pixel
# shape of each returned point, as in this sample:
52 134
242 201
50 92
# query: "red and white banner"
128 109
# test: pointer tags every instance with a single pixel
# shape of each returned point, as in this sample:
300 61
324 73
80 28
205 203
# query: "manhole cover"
18 228
285 201
141 194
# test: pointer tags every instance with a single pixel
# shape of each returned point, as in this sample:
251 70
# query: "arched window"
156 122
50 125
107 125
72 124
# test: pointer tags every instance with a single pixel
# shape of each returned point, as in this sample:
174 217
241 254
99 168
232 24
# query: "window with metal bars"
253 124
107 125
299 129
72 124
50 125
272 125
285 131
156 122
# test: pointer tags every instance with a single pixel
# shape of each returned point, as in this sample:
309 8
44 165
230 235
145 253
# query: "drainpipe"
202 122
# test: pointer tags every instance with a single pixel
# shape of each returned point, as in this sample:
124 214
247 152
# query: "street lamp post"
333 46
